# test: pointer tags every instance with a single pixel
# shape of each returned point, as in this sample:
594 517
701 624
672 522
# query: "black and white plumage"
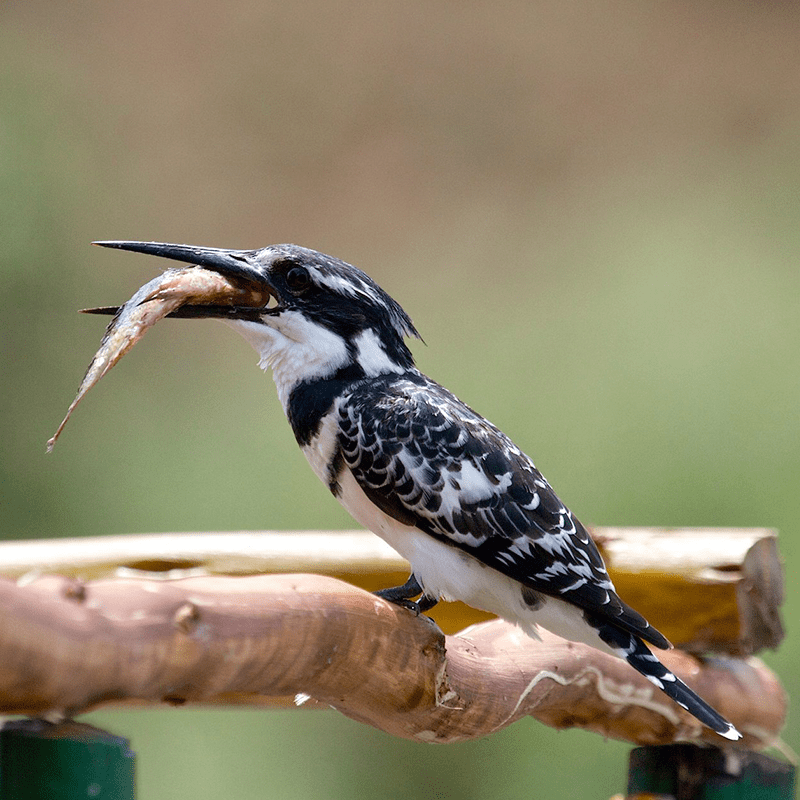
411 462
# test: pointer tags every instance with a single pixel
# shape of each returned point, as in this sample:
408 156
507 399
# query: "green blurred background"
590 209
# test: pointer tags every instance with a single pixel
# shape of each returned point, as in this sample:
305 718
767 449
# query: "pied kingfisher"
412 463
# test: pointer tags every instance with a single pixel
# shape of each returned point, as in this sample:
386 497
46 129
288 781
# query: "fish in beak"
218 283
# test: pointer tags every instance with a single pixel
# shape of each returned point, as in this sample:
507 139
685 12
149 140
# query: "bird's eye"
298 279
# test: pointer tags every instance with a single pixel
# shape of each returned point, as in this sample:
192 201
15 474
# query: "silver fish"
155 300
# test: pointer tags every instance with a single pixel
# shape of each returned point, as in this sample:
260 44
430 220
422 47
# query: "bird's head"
323 316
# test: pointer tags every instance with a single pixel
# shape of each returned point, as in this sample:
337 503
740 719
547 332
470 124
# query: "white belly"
448 573
444 571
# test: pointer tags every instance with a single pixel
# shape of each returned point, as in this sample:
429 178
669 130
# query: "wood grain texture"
706 589
68 646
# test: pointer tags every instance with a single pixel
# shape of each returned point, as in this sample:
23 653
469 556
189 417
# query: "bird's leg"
400 595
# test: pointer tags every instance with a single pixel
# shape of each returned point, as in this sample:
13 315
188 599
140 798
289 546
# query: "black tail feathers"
637 654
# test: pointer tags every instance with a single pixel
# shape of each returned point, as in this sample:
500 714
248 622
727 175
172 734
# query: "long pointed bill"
226 262
235 265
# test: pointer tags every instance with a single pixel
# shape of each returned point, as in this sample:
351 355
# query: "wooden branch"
66 647
707 590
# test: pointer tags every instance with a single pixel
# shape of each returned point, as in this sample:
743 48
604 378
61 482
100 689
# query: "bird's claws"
400 596
417 607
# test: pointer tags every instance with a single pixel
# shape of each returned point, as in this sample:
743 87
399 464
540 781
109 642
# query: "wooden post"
688 772
64 761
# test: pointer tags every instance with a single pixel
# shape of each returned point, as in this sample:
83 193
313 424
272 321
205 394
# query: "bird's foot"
401 596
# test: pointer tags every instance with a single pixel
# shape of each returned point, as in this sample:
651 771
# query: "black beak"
237 264
226 262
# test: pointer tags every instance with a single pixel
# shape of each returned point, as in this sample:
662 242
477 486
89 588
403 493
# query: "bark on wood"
707 590
66 647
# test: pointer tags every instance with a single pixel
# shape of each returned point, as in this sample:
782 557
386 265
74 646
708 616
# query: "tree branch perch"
706 589
68 646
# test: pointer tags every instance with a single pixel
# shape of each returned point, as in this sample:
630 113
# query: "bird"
443 486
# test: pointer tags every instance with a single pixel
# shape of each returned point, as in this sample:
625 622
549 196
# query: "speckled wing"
428 460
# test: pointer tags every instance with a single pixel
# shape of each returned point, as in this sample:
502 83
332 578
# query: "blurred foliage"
590 210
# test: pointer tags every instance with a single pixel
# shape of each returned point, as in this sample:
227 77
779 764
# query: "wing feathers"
426 459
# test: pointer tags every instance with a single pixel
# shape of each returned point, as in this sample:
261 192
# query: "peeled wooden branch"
66 647
706 589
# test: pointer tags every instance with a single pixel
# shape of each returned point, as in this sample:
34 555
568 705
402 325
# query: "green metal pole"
64 761
688 772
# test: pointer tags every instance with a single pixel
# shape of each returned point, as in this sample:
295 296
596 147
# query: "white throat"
295 348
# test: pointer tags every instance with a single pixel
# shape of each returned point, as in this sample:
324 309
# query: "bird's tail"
637 654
